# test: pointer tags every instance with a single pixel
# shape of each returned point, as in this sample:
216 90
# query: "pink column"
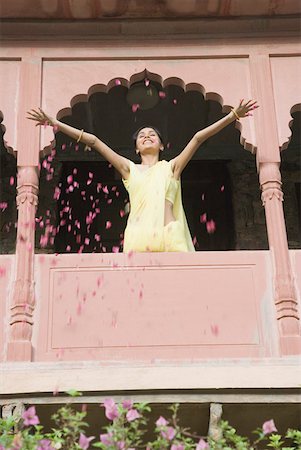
284 290
22 306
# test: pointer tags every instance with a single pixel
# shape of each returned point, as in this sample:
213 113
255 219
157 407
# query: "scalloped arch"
8 148
295 108
145 74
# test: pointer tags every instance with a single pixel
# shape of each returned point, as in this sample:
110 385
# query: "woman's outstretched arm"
121 164
180 161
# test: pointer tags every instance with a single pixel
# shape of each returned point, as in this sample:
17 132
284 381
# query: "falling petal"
203 218
162 94
211 227
135 106
11 181
108 224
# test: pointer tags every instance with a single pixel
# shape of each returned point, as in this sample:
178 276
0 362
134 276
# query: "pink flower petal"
202 445
135 107
132 414
211 227
203 218
108 224
269 427
161 422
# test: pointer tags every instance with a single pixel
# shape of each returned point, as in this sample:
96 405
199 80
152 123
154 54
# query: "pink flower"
45 444
127 404
84 441
169 433
69 179
29 417
202 445
177 447
161 422
132 414
162 94
106 438
111 409
117 82
121 445
211 227
108 224
268 427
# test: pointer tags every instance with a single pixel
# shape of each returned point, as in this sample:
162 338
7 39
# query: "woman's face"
147 138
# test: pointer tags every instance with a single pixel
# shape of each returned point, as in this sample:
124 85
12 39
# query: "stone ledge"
31 378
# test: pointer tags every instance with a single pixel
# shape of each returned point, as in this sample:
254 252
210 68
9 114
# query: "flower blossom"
45 444
177 447
106 438
29 417
268 427
202 445
84 441
111 409
161 422
169 433
132 414
127 404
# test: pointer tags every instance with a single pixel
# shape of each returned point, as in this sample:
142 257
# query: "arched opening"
87 210
291 179
8 210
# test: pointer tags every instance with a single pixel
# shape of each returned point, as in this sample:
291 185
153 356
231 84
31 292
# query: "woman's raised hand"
244 108
40 117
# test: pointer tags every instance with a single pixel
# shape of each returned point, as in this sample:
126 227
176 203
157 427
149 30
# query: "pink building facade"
69 320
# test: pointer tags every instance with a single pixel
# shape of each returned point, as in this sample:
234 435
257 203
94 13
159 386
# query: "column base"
19 351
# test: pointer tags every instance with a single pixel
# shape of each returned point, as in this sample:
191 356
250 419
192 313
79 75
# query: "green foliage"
126 430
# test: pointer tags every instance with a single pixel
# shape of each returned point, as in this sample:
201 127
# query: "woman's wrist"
234 116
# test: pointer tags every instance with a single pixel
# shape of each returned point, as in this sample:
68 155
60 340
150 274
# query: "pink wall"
154 306
6 286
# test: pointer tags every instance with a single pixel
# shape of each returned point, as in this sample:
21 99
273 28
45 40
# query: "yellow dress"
145 230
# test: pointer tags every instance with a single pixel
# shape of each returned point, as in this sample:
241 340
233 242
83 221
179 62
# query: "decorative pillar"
284 289
23 297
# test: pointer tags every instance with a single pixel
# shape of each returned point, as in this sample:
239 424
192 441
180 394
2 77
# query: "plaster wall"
151 307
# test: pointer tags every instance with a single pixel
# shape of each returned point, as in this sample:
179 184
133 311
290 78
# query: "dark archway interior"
291 179
8 209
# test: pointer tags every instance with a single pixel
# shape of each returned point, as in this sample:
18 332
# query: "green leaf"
74 393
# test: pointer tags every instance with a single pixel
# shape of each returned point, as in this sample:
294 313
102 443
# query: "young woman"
157 221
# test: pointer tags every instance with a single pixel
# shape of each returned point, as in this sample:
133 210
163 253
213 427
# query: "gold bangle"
80 136
235 114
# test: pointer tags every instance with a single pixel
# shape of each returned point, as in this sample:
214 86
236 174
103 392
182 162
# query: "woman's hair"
135 135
